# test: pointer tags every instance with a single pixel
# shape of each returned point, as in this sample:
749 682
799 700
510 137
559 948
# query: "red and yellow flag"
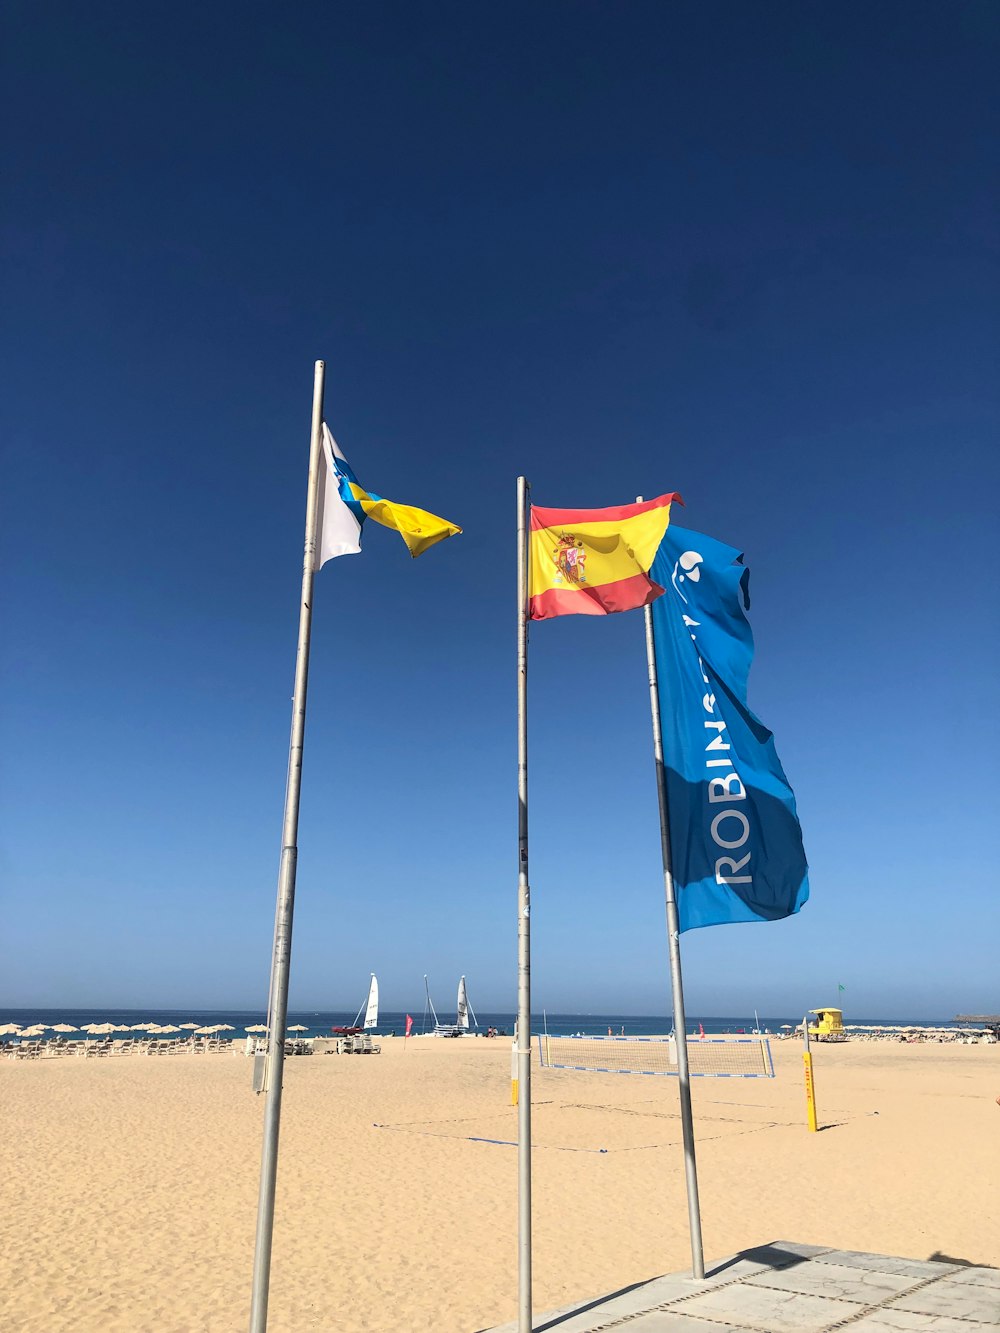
594 561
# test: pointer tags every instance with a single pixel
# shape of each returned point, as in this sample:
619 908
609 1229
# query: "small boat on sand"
460 1028
370 1011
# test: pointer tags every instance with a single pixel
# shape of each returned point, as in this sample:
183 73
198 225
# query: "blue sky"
742 252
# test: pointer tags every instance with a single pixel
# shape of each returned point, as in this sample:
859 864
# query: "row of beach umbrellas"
897 1027
105 1029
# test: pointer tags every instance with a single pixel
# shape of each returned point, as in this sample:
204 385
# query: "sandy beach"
130 1184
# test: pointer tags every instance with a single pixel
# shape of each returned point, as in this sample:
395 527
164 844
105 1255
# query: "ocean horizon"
319 1022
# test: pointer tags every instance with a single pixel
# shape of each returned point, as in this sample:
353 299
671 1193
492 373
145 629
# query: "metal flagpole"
523 931
674 942
281 956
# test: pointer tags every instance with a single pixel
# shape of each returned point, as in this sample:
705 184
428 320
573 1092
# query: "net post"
807 1060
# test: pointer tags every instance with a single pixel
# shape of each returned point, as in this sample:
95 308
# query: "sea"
319 1022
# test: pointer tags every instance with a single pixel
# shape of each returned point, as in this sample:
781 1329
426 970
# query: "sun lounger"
363 1045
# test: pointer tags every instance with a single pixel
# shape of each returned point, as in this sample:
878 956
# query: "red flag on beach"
409 1024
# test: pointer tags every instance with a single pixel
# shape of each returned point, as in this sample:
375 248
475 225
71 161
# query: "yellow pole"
810 1092
810 1085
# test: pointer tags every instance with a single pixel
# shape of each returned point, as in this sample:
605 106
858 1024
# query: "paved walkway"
788 1288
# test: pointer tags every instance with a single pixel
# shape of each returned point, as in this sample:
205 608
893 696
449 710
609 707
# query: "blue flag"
735 836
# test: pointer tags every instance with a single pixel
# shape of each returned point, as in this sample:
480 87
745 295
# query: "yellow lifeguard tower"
829 1025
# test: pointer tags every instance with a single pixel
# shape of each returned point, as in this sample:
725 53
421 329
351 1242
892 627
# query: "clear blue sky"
746 252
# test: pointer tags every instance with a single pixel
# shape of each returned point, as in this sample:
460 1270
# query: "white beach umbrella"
188 1027
204 1032
298 1027
140 1027
170 1028
36 1031
9 1029
257 1027
224 1027
64 1027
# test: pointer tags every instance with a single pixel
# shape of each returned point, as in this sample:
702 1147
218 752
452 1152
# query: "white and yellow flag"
344 504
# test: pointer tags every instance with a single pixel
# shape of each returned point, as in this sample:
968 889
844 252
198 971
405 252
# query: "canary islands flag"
344 504
734 832
593 562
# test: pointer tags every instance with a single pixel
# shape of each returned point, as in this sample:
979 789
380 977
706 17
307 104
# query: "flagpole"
523 931
282 949
674 944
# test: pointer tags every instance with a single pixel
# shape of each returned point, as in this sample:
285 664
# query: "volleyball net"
708 1057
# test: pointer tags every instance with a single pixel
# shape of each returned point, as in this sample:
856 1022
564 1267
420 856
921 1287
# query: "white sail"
371 1013
463 1006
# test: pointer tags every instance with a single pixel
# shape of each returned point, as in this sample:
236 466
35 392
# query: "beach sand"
130 1184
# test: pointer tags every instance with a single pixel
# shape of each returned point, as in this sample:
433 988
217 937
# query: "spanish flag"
594 561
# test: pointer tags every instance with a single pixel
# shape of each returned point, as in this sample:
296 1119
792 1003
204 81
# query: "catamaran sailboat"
370 1010
462 1011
